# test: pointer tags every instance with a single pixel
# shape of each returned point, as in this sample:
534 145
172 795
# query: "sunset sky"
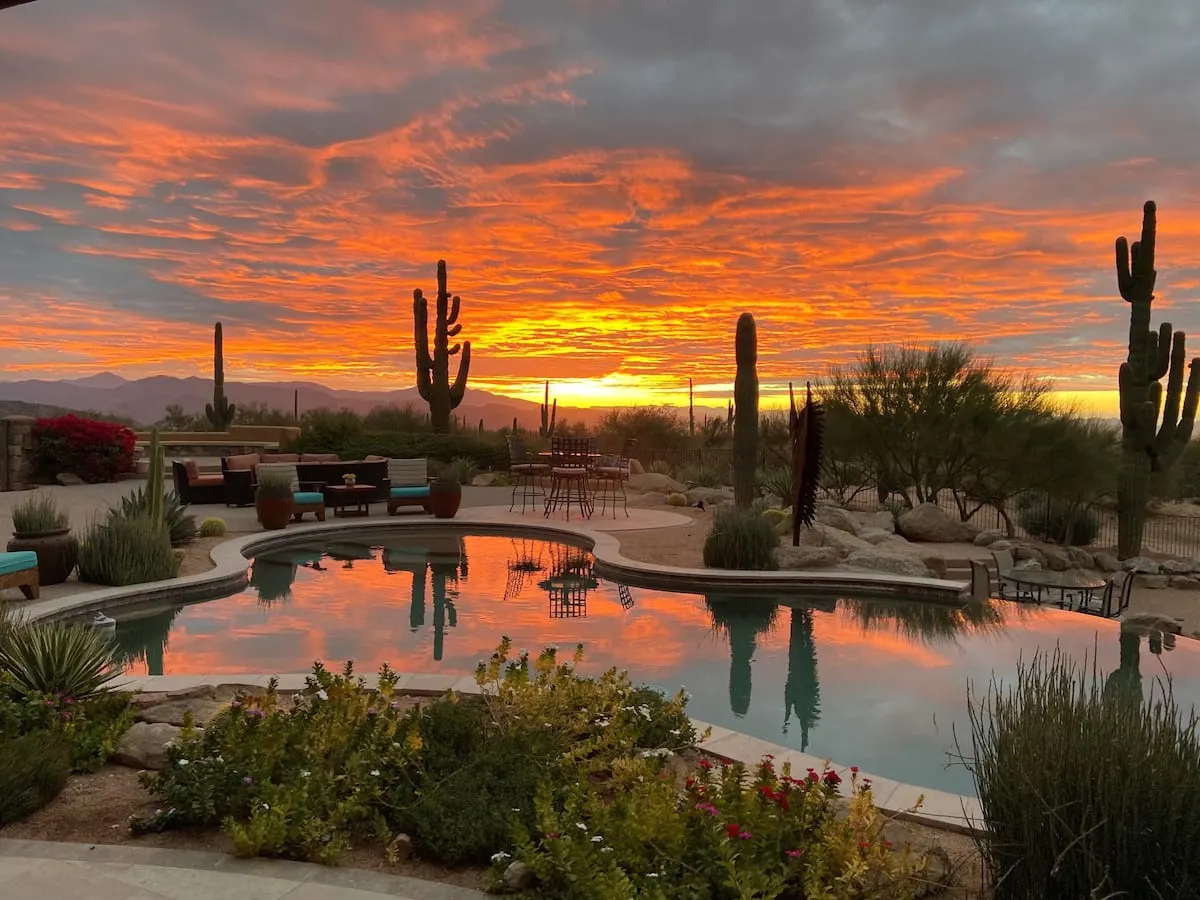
611 181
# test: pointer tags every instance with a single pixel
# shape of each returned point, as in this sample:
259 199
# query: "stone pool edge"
923 806
230 564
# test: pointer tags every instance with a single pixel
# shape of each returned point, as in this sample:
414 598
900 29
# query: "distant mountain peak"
104 380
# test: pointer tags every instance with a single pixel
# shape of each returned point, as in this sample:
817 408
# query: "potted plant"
39 525
445 494
274 501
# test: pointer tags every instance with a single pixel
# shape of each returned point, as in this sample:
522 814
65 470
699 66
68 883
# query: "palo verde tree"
433 367
1147 446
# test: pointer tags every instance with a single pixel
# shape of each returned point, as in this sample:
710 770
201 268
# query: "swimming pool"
877 684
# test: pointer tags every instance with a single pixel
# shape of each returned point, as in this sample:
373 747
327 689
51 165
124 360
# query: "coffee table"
343 496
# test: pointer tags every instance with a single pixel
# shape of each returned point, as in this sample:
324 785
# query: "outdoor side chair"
528 474
1009 588
611 474
569 459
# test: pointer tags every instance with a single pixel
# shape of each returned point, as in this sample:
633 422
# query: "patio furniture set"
1076 590
320 481
571 472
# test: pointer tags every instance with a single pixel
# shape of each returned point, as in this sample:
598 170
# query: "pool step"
960 570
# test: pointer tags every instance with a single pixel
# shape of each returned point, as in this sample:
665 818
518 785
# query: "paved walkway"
60 871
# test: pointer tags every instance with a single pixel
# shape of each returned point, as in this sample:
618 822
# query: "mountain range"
145 400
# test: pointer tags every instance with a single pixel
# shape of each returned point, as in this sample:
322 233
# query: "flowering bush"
95 451
726 834
89 729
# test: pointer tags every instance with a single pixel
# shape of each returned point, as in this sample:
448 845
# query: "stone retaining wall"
16 464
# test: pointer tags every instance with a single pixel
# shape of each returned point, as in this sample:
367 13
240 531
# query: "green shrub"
120 550
212 527
728 833
778 483
55 658
181 526
488 454
33 771
38 515
462 469
91 727
1087 790
661 467
702 476
1049 519
740 539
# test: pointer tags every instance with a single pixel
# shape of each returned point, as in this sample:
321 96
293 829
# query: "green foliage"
33 771
395 418
777 482
328 431
122 550
1055 521
1087 790
153 495
702 476
728 833
654 427
462 469
780 520
212 527
740 539
180 524
274 483
489 454
38 515
661 467
56 658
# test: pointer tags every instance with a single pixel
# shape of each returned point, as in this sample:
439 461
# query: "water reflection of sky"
879 685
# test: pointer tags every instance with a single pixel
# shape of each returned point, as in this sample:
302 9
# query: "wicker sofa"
240 474
192 487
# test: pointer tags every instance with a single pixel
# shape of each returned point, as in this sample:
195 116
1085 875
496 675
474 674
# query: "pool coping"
230 569
922 806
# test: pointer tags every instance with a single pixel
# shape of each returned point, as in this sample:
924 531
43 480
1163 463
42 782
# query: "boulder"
1185 582
636 468
881 519
1004 544
1177 566
877 560
837 518
876 535
709 496
820 535
1141 565
144 745
1056 559
202 710
1028 551
935 562
517 877
1106 562
655 482
928 523
1080 558
484 479
1153 582
989 537
401 848
68 479
790 557
1028 564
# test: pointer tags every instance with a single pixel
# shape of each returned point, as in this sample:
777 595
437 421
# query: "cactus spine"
220 412
549 415
1147 446
155 503
433 369
691 411
745 416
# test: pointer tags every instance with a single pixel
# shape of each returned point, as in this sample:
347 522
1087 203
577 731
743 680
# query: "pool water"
881 685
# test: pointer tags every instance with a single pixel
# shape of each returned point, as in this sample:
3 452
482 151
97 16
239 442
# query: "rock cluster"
858 541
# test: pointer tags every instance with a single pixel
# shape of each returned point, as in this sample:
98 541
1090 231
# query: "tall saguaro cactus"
745 414
691 411
433 369
549 415
156 503
220 412
1146 445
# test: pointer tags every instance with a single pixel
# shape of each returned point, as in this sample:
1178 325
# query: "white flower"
644 712
601 722
219 759
375 772
516 809
651 874
675 731
266 806
661 753
606 850
322 695
581 826
304 773
183 762
497 857
596 838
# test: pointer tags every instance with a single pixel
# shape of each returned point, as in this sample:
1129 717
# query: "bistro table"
343 496
1075 581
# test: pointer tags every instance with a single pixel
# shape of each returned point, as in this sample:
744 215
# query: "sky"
611 182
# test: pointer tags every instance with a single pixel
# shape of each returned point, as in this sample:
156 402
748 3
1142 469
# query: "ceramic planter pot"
57 552
445 495
274 511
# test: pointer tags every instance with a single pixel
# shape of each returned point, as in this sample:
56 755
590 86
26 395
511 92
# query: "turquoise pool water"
881 685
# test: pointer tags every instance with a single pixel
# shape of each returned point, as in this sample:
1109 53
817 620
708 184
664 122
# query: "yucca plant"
462 469
122 550
181 525
40 514
702 476
1087 789
55 658
740 539
661 467
33 770
778 483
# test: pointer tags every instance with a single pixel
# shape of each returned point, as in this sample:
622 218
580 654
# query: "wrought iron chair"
1118 589
569 458
1009 589
981 581
611 474
527 472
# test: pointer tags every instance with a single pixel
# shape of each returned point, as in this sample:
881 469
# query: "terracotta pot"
57 552
444 498
273 512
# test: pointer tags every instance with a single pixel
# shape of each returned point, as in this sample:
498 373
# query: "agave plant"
462 469
59 659
180 524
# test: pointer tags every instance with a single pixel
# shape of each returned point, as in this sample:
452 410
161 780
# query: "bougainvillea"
95 451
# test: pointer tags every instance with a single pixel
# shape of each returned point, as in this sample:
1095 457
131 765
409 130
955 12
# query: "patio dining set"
572 473
1074 589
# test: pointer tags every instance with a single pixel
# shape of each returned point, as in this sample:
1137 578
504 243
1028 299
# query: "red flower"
733 829
704 763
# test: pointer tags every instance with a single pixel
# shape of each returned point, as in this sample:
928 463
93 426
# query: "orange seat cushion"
242 462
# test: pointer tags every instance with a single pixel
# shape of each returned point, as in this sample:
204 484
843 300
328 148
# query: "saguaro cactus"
745 416
155 502
691 411
1146 445
433 369
549 415
220 412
